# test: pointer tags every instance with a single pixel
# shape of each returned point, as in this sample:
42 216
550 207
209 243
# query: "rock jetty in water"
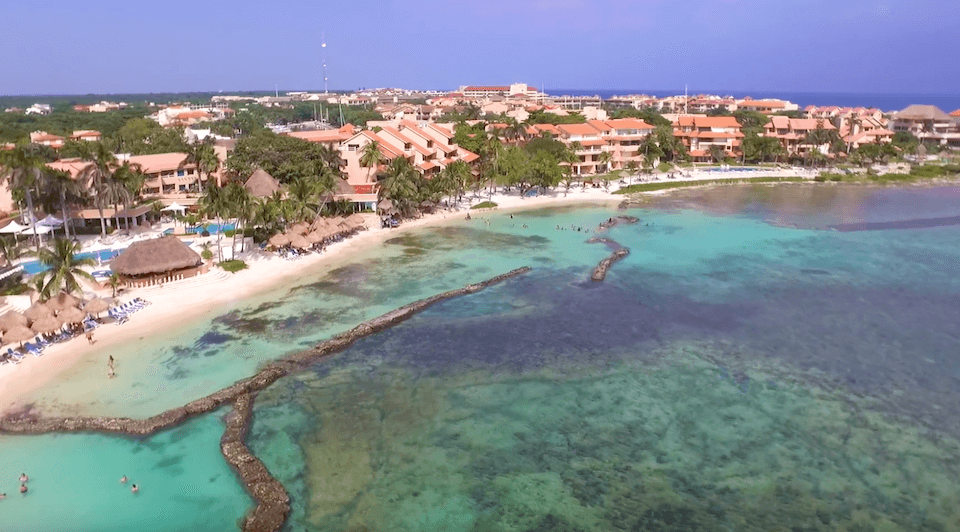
600 272
273 502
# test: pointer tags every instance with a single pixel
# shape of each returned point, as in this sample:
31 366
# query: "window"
180 173
352 147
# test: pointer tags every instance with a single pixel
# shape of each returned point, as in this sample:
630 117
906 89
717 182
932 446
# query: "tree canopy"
285 158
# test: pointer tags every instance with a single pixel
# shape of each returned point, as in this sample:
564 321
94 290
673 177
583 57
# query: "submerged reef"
272 500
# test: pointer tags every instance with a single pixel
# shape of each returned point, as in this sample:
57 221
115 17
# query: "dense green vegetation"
233 266
285 158
664 185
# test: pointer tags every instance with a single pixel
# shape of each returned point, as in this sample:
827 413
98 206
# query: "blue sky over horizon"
857 46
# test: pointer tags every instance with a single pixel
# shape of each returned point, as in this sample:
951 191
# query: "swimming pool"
212 228
735 169
35 266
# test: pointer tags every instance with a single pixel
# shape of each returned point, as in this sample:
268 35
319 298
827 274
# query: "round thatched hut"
157 261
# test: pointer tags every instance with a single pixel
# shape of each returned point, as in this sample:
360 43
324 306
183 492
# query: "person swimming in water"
3 496
134 488
123 479
23 488
24 477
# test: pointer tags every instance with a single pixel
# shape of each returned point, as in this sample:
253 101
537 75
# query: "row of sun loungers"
36 347
119 313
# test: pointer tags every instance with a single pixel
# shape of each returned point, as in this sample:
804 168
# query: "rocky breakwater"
619 252
621 219
273 502
600 272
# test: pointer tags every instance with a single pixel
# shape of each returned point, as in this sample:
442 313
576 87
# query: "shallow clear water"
741 369
185 484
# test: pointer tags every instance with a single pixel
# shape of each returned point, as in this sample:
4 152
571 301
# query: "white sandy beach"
192 299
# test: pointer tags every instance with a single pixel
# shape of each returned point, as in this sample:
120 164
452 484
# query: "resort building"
88 135
428 147
857 130
700 133
485 91
587 144
767 106
168 177
39 109
157 261
792 133
332 138
928 123
46 139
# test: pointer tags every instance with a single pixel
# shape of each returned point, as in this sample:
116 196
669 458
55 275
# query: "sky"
137 46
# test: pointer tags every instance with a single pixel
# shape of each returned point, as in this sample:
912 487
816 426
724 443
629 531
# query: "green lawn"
664 185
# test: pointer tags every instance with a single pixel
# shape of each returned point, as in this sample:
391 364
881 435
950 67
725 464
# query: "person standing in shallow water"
24 477
23 489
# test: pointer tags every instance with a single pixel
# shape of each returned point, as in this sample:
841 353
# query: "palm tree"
214 204
239 204
371 157
203 156
65 267
302 196
23 168
125 185
10 249
854 122
114 282
58 185
515 131
400 186
97 174
604 158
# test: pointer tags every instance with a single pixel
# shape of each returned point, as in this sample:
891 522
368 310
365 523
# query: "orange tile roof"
628 123
70 166
159 162
327 135
597 142
599 125
955 113
578 129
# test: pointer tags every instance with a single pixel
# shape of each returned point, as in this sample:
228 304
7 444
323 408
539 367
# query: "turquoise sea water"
741 369
74 482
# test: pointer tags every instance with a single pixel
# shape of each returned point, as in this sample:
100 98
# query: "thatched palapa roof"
157 255
261 184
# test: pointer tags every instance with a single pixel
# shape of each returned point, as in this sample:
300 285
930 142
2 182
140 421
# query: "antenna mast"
323 58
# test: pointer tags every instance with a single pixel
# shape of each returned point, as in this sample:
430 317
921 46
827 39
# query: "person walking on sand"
90 339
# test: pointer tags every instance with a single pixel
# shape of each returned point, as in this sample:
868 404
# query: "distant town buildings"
38 109
928 123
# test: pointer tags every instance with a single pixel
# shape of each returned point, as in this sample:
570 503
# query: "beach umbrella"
46 324
320 224
18 334
315 237
71 315
12 319
385 205
299 229
37 311
96 306
62 301
298 241
357 220
279 240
